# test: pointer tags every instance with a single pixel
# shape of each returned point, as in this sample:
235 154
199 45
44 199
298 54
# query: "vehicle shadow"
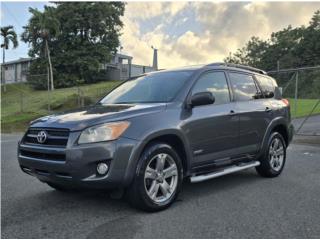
115 217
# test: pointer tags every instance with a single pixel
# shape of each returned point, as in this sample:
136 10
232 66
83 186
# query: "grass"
20 104
304 107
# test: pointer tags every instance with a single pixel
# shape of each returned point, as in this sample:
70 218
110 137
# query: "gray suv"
150 133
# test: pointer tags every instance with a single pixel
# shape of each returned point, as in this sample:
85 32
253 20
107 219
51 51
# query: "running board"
228 170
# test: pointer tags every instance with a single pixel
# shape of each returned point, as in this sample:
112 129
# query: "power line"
295 69
12 15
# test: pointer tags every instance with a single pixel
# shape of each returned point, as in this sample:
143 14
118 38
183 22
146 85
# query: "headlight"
105 132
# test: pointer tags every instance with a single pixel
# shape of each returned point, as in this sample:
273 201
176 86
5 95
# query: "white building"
119 68
16 71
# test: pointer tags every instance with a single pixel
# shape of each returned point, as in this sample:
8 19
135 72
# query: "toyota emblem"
42 136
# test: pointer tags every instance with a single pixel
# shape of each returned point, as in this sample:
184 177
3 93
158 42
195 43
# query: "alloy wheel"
161 178
276 154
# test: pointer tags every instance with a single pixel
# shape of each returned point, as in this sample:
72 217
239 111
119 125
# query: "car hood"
85 117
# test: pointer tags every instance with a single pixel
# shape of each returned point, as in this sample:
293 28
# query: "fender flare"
279 121
135 163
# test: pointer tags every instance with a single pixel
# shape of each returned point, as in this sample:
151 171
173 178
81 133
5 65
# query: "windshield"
154 87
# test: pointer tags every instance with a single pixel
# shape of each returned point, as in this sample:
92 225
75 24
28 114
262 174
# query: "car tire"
158 178
274 158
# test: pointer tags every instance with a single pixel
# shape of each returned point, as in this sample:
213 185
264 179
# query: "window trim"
266 76
189 95
244 73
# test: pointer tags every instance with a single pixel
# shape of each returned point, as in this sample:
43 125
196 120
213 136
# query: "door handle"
268 109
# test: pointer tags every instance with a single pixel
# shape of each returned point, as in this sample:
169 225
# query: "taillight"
285 101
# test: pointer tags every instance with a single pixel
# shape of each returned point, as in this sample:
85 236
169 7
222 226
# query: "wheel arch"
173 138
276 125
282 129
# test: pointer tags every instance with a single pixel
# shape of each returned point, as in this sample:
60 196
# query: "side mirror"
258 95
201 98
268 94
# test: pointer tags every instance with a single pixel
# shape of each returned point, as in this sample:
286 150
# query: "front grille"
55 137
43 156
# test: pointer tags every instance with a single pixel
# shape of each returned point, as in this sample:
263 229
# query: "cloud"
200 32
146 10
1 14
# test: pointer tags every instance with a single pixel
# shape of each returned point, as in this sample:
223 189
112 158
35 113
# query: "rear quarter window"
243 86
266 83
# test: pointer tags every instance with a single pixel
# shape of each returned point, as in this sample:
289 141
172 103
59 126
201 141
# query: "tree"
88 37
251 54
315 21
293 48
9 35
43 28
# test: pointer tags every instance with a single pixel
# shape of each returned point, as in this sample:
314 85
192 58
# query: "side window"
266 83
244 86
216 83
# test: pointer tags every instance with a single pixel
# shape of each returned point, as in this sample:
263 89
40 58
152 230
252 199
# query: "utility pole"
3 81
155 58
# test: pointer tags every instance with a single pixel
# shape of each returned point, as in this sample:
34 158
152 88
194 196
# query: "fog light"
102 168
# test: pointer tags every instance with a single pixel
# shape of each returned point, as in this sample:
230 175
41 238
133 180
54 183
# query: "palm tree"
9 35
43 27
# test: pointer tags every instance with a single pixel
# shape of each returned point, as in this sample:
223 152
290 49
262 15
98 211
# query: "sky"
184 33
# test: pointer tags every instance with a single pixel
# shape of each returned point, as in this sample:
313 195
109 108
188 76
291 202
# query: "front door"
212 130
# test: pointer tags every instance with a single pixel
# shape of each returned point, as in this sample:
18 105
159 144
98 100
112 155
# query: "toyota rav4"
150 133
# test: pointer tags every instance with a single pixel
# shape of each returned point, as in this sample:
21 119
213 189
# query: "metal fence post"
49 92
296 95
21 102
49 101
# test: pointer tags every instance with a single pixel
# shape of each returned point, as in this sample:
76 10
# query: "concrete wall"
113 74
9 73
137 70
16 72
124 71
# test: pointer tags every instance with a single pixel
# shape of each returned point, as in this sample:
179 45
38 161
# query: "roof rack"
238 66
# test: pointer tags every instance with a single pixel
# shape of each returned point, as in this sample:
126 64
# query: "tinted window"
266 83
154 87
243 86
216 83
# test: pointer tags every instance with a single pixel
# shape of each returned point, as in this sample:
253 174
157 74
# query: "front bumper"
76 164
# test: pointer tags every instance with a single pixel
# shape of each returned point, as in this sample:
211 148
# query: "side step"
225 171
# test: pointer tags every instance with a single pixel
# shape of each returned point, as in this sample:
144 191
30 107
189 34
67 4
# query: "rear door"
254 111
212 130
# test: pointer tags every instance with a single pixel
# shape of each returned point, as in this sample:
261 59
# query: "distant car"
150 133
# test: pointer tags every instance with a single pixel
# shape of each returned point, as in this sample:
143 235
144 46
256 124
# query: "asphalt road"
241 205
311 126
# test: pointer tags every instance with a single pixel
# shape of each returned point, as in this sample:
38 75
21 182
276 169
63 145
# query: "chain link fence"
302 87
54 100
20 104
